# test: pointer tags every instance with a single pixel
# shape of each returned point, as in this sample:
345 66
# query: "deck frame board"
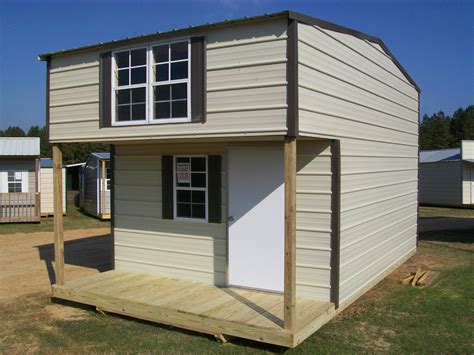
243 313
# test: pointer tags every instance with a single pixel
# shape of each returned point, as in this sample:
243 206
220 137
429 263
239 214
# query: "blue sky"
434 40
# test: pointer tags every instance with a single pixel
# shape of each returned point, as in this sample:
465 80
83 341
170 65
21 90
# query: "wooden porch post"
58 216
289 300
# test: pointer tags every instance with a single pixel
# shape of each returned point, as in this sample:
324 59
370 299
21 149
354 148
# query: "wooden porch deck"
244 313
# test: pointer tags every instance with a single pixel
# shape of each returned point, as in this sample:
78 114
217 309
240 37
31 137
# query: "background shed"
46 187
94 185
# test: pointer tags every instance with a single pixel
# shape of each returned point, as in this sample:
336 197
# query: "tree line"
440 131
72 152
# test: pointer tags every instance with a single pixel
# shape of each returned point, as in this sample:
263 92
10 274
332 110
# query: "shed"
19 179
46 187
447 176
94 185
264 171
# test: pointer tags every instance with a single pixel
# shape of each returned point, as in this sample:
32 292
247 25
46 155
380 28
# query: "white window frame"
175 188
107 179
150 84
15 181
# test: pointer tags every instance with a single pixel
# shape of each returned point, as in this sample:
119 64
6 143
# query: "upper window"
14 181
190 187
151 84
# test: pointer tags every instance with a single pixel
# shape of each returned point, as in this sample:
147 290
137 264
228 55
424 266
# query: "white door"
256 217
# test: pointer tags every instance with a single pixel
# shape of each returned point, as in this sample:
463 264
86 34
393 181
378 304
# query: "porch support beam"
58 215
289 300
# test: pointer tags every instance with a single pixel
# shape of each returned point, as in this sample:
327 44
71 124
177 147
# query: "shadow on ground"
90 252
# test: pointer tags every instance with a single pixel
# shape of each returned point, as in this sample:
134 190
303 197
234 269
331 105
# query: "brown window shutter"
167 187
105 89
214 188
198 79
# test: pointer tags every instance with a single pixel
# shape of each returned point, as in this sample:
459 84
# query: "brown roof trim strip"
292 117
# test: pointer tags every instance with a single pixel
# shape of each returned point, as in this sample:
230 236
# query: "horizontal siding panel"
310 58
207 246
74 77
365 196
331 126
364 147
313 182
377 267
360 164
138 177
313 292
138 208
72 113
353 216
374 53
368 181
306 220
143 163
357 248
250 52
266 96
266 122
157 270
311 275
252 75
372 223
323 42
320 240
209 264
138 193
313 201
306 164
65 96
312 257
340 87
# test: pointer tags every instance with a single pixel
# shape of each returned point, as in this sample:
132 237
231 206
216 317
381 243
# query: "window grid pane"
190 200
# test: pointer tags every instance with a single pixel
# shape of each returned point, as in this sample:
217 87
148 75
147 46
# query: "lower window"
14 181
190 185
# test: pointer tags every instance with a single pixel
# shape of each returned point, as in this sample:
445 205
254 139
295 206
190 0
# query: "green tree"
13 131
435 132
462 124
45 147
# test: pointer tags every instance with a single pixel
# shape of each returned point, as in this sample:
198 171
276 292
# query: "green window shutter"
105 89
167 186
214 188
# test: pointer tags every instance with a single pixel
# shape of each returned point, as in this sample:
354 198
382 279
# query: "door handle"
230 219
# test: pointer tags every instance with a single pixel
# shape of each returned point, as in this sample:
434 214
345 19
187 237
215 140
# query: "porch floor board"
244 313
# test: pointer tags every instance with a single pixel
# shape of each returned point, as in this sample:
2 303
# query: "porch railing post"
58 216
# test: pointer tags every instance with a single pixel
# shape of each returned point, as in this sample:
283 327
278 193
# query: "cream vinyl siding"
313 220
146 243
440 183
246 90
46 188
350 90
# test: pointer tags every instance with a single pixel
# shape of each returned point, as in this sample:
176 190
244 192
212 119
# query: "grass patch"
74 219
426 211
390 318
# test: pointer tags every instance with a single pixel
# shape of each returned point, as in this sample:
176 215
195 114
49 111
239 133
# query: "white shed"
447 176
46 187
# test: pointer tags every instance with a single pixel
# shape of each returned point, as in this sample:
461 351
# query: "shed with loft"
264 171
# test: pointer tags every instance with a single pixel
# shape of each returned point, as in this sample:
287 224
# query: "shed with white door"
264 171
447 176
46 187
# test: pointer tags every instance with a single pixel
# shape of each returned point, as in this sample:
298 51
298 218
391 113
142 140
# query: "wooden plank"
290 233
58 216
208 325
88 280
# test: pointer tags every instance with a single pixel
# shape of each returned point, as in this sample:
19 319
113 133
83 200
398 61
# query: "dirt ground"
27 266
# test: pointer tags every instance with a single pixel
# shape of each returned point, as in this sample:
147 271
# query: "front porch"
245 313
